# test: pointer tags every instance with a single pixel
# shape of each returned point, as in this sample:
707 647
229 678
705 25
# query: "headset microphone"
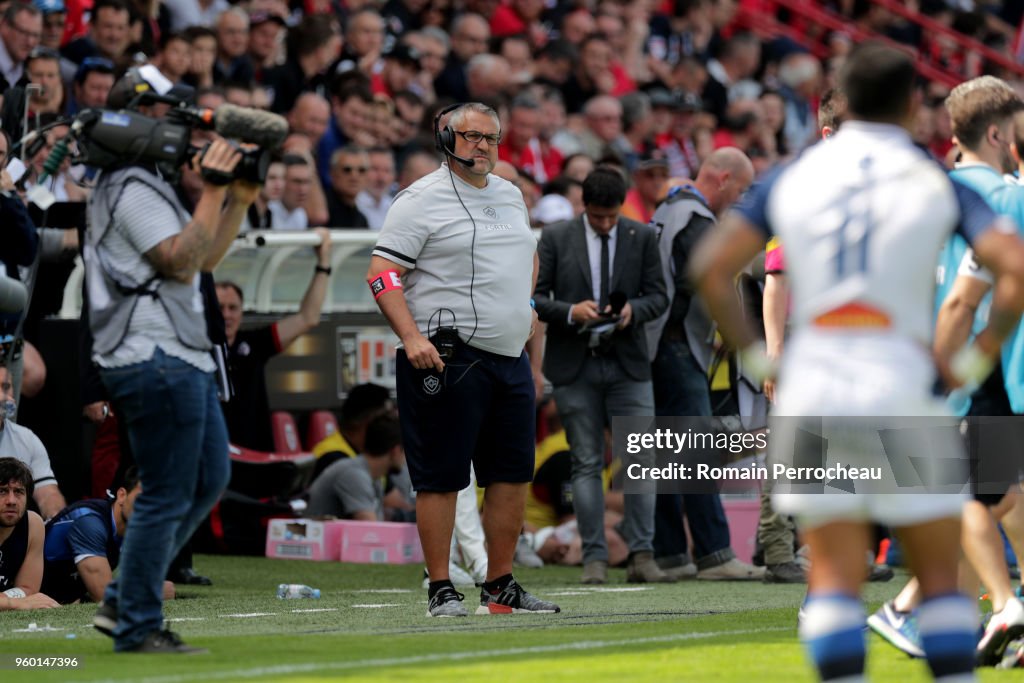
462 160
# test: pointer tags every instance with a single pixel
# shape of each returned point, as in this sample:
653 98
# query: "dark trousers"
681 389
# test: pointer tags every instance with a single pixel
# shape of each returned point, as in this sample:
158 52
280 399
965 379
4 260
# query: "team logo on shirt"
244 349
490 213
431 385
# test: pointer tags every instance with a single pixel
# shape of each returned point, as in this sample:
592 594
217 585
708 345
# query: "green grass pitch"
370 625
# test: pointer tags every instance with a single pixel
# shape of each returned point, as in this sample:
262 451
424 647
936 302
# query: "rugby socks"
832 630
948 625
438 585
497 585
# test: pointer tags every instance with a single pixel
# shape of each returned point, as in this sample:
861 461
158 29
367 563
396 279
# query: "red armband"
384 282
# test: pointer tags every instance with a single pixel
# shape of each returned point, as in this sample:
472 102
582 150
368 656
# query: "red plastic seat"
286 433
321 425
270 475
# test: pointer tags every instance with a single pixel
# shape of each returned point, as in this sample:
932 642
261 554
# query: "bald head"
723 177
310 116
504 169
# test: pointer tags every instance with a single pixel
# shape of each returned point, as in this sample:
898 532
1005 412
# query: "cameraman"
144 254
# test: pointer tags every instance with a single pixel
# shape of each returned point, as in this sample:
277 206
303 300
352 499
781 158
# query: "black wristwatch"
321 269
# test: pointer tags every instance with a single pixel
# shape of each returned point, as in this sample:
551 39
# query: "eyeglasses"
31 35
474 137
354 169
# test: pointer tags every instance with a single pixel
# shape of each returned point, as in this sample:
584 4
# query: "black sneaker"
447 602
514 600
166 642
784 572
105 619
189 577
880 572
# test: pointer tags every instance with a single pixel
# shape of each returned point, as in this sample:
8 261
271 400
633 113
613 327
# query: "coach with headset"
453 271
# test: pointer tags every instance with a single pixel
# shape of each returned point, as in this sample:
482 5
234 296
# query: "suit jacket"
564 279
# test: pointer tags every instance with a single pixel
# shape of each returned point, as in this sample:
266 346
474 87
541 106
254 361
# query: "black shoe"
785 572
166 642
105 619
188 576
513 599
880 573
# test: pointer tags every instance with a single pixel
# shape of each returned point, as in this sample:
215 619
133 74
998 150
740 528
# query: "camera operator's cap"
51 6
404 53
257 18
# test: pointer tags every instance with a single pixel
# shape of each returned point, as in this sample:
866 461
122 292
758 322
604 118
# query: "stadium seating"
286 433
321 425
270 475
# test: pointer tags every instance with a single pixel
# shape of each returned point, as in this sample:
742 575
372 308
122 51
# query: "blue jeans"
601 391
177 433
681 390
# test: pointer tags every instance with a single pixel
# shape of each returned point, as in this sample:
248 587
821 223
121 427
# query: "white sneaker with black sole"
1004 626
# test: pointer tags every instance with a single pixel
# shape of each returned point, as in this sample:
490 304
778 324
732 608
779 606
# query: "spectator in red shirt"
520 17
523 148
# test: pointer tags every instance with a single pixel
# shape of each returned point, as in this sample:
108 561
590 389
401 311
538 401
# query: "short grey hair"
437 34
458 117
235 11
798 68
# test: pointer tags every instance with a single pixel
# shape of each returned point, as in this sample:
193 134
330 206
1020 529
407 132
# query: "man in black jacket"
599 281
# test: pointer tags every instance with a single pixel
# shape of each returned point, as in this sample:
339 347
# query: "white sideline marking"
287 669
175 619
316 609
382 590
585 590
384 604
248 616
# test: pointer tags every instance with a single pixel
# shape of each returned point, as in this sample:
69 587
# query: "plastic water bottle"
291 591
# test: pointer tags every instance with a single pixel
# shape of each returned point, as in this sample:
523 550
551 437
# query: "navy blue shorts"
479 410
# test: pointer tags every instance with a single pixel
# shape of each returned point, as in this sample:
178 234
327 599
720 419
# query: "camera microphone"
240 123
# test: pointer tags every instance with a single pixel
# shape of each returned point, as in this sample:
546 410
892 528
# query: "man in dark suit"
600 280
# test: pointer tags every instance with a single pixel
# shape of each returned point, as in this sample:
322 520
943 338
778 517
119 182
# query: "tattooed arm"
181 256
